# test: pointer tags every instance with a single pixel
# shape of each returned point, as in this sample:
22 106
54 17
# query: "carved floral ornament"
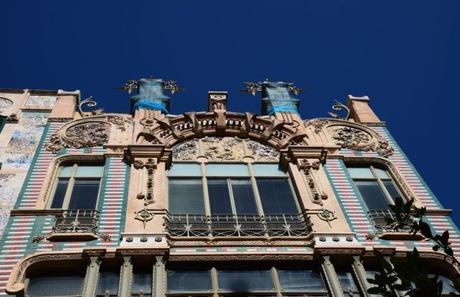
87 132
352 136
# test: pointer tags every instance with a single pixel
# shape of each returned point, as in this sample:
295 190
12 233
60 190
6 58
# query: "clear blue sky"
405 55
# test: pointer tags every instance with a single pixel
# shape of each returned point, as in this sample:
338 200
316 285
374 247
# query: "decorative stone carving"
305 166
86 134
226 148
120 122
5 103
358 139
317 124
144 215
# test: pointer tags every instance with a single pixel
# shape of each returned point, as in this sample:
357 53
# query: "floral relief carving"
5 103
120 122
360 140
87 134
225 148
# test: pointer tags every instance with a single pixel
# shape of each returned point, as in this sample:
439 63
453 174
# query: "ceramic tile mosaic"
24 140
10 185
40 102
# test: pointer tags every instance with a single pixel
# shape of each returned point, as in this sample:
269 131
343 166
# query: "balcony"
77 224
190 225
377 217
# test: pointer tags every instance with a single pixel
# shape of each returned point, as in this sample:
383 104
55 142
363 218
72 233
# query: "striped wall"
355 209
19 232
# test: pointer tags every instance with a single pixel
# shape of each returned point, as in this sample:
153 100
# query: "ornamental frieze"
224 149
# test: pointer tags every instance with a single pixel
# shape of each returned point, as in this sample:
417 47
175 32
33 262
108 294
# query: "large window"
265 281
375 185
77 186
230 189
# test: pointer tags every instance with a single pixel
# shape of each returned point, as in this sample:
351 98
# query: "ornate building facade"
212 203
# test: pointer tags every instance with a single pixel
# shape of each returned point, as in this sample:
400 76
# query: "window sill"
400 236
83 236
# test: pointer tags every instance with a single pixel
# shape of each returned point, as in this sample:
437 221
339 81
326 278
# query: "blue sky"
403 54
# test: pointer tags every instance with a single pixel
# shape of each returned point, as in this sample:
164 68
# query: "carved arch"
171 130
87 132
351 135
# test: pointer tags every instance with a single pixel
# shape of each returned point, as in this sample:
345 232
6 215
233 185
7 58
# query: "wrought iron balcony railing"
77 221
377 216
192 225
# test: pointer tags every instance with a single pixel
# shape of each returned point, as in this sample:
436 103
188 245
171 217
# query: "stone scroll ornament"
80 135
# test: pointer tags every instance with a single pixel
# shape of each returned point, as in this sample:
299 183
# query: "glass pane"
219 197
59 194
300 280
186 196
56 285
243 196
185 170
66 171
89 171
381 173
84 194
391 188
268 170
276 196
142 282
108 283
227 170
447 284
347 283
372 194
189 281
360 172
245 280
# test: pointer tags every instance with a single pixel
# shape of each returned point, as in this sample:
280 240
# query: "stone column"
159 277
331 277
92 277
126 273
361 274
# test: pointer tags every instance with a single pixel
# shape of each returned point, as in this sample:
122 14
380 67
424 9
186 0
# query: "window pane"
276 196
245 280
268 170
347 282
447 284
360 172
84 194
300 280
56 285
108 283
391 188
372 194
185 170
66 171
189 281
89 171
186 196
142 282
243 196
381 173
59 194
227 170
219 197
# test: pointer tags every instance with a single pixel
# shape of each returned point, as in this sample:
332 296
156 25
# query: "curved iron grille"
77 221
191 225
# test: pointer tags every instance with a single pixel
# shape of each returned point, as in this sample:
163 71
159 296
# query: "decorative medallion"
224 149
145 215
360 140
87 134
